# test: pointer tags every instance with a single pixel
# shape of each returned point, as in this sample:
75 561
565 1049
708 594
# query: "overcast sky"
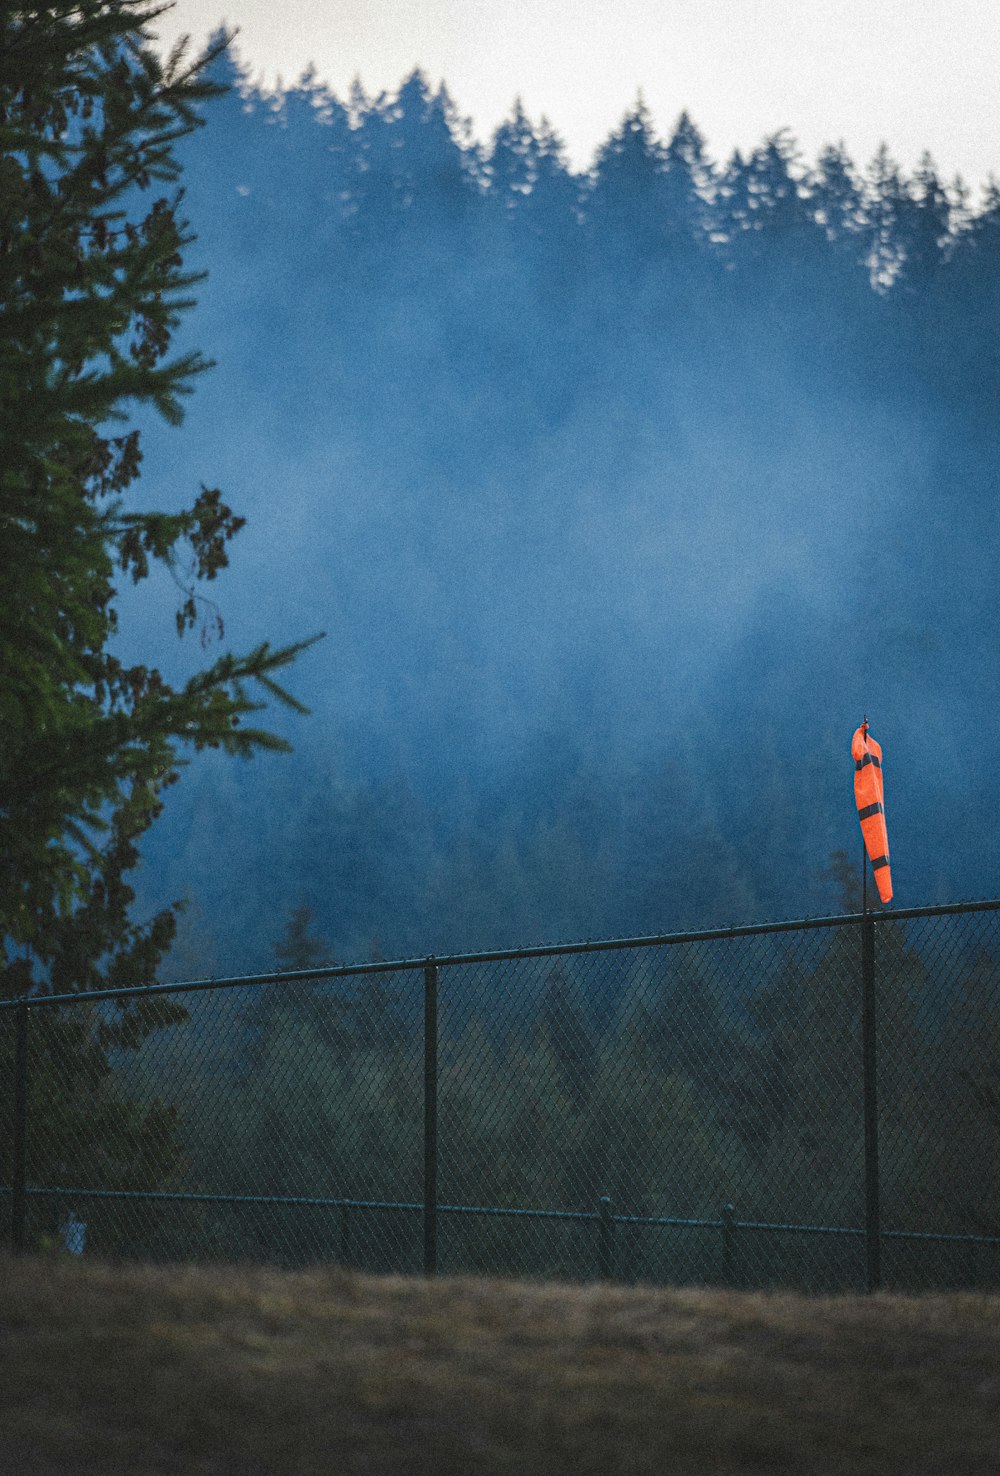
913 73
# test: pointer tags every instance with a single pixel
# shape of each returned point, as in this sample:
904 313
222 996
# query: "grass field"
143 1370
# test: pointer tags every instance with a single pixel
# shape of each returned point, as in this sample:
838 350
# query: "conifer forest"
584 514
620 497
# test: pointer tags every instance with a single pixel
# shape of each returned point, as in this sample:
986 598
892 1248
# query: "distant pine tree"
299 947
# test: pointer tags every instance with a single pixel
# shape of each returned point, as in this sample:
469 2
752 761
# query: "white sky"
913 73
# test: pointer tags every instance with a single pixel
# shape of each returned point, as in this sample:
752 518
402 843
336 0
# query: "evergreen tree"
300 948
844 874
93 285
412 166
837 198
767 217
922 228
972 280
888 198
529 183
274 1008
688 187
628 203
564 1017
512 163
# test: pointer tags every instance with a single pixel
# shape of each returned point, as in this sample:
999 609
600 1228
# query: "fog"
619 497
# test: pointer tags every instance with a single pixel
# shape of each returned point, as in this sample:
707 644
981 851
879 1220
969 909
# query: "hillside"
111 1369
620 496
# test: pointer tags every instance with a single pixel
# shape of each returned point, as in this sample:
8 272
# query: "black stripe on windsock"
870 810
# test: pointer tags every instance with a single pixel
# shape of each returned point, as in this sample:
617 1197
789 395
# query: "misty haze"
620 497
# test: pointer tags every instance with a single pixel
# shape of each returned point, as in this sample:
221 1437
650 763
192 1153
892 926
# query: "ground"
185 1370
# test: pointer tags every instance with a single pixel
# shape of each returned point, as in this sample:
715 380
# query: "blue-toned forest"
619 496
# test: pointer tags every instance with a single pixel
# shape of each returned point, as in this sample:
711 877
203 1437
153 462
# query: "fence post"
728 1228
344 1233
605 1239
19 1197
869 1059
430 1116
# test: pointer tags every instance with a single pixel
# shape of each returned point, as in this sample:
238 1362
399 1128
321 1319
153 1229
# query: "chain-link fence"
812 1104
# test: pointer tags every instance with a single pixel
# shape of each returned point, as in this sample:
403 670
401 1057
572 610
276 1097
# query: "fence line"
559 1104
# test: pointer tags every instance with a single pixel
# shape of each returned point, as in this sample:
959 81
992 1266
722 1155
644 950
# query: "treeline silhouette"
621 495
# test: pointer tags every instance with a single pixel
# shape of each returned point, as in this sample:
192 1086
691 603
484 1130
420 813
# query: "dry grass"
186 1370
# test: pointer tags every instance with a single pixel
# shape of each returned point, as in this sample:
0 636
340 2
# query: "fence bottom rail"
733 1267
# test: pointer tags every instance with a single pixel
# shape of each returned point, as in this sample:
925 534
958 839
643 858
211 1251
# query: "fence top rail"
501 955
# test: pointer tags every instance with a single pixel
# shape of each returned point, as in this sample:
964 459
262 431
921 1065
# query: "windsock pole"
869 1071
873 1229
864 849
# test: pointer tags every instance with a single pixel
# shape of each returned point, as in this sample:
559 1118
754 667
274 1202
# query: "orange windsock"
868 797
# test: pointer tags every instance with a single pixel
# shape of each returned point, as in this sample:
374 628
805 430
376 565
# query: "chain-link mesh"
690 1111
939 1099
261 1127
672 1081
